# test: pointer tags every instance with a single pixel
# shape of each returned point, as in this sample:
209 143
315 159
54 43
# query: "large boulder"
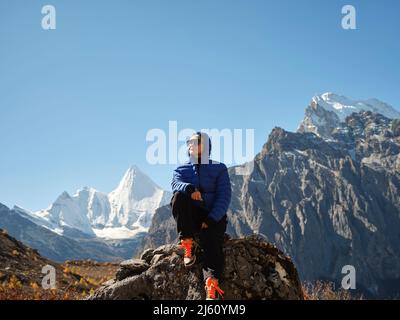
254 269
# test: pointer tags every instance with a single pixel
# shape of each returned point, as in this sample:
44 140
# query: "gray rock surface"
254 269
130 268
329 203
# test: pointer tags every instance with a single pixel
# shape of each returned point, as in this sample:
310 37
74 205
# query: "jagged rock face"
326 203
254 269
328 111
375 142
319 120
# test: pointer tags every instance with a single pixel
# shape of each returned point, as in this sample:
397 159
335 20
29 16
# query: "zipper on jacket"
197 166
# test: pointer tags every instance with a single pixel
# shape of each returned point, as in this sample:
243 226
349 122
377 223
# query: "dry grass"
93 273
87 277
21 274
83 277
14 290
320 290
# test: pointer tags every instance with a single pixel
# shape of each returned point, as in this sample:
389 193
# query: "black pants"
189 218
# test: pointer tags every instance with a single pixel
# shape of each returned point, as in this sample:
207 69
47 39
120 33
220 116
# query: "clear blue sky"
76 102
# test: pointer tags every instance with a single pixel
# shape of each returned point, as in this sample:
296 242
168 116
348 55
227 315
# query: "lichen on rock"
254 269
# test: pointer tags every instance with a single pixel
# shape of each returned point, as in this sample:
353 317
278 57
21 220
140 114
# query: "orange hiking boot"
189 258
212 288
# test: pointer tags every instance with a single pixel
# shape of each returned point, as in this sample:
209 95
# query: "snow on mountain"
327 111
121 214
344 106
117 233
135 200
95 204
66 212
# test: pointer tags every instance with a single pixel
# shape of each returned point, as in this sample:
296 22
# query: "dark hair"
205 135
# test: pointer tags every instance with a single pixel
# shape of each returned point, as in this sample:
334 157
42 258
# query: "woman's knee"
179 199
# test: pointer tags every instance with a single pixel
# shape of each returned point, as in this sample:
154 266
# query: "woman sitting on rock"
202 193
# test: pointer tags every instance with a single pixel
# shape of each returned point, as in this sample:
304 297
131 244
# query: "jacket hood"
204 139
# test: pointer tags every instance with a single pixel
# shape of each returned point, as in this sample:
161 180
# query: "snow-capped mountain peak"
135 200
63 195
65 212
343 106
120 214
327 111
135 185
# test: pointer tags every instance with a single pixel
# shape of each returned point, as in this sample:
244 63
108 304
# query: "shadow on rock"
254 269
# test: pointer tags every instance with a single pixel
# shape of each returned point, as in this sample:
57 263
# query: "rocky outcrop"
319 120
254 269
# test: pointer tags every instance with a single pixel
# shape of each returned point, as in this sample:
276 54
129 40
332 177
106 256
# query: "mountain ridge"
123 213
328 111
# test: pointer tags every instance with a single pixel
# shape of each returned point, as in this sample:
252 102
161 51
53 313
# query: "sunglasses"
193 141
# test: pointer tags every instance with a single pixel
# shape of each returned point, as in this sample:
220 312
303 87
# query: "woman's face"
195 148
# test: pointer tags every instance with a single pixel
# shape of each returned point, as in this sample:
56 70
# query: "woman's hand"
196 196
204 225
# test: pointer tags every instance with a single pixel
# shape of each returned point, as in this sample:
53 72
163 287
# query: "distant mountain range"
328 195
90 224
59 247
120 214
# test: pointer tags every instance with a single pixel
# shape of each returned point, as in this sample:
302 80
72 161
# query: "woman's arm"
223 197
178 185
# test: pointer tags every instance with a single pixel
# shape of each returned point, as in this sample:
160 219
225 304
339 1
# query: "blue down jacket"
212 180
